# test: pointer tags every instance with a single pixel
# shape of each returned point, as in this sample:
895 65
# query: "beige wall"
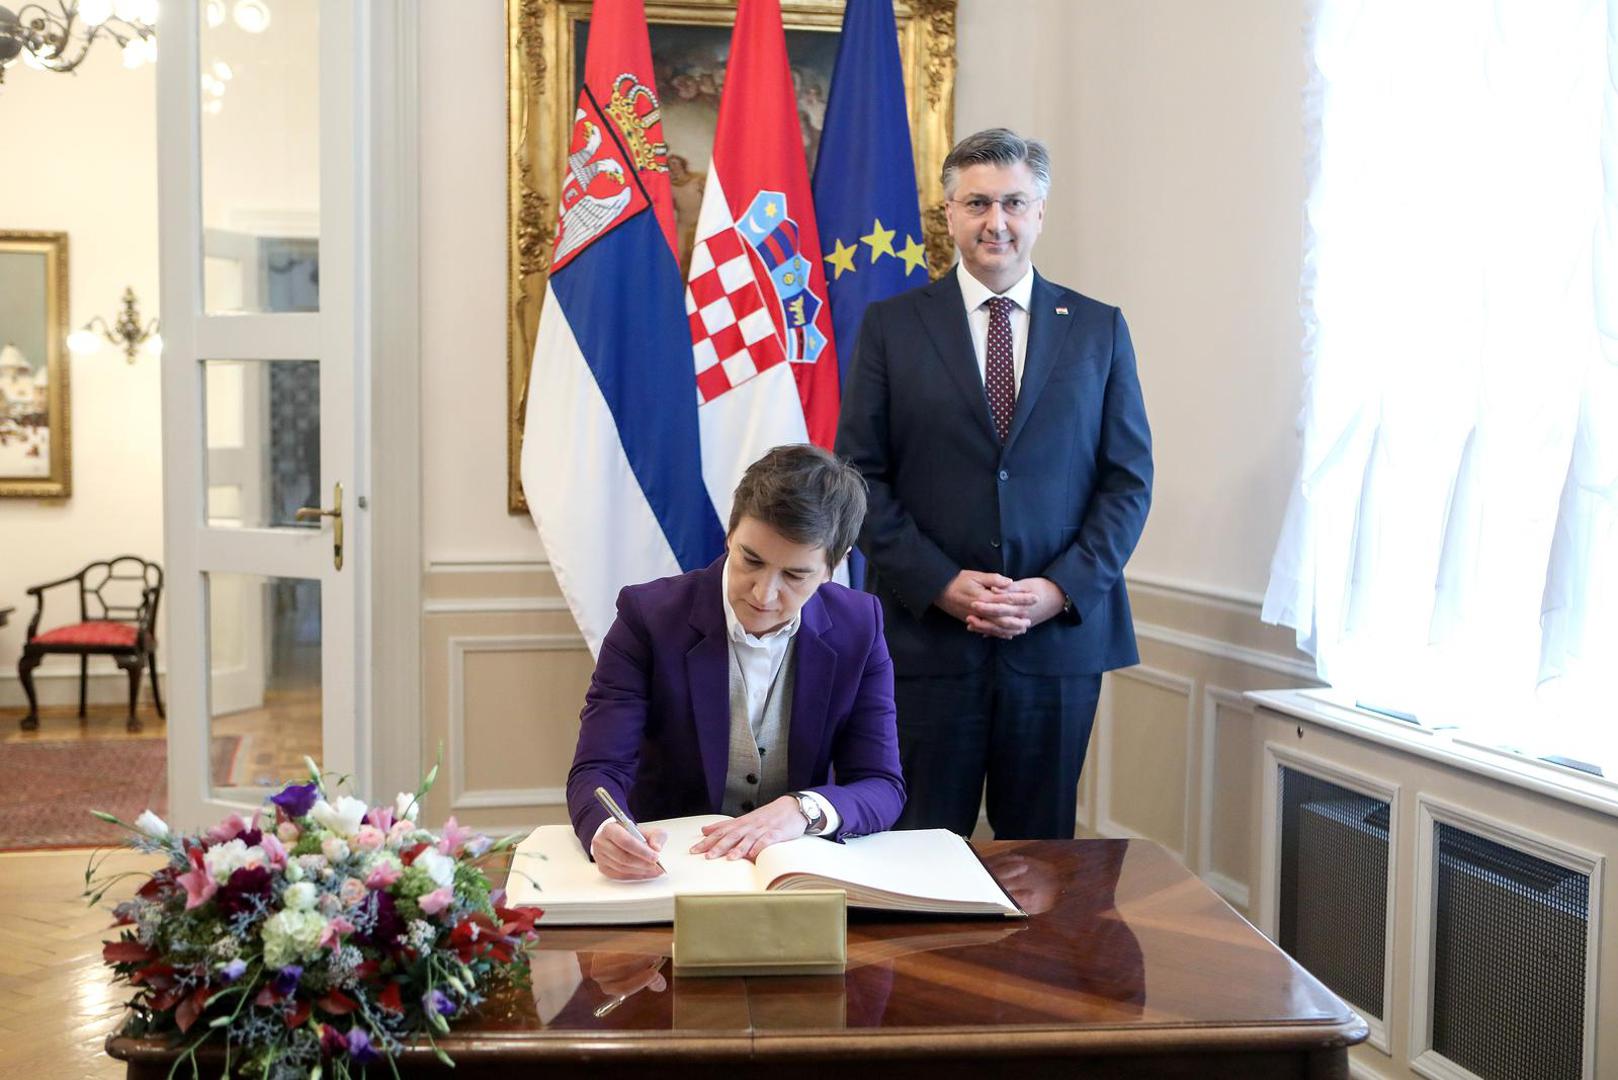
1177 140
83 160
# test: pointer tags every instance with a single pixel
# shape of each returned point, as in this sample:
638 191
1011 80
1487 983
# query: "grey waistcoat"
752 777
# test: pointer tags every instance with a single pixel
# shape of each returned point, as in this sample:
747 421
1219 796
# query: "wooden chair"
110 623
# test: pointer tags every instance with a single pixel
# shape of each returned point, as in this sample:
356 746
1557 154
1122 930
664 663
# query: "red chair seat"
98 633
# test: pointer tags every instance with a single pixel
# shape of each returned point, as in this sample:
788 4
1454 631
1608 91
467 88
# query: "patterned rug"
50 787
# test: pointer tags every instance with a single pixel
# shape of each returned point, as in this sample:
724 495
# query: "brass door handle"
315 513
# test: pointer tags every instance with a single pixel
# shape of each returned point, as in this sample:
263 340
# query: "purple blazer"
655 730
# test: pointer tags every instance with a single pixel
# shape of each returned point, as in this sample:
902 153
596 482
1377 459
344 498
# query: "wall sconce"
126 333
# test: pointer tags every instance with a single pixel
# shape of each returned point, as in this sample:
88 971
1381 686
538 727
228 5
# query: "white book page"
932 864
552 869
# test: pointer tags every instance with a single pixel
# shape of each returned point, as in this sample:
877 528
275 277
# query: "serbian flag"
761 332
611 460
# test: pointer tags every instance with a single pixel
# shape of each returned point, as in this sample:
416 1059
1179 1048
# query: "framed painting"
690 41
35 437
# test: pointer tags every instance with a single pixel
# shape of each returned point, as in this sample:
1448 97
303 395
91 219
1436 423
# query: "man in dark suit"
741 687
998 420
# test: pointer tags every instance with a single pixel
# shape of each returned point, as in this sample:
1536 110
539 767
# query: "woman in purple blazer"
706 681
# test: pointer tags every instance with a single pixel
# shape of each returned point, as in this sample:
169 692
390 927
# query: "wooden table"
1129 966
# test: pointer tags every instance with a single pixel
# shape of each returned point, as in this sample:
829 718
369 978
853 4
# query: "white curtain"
1451 545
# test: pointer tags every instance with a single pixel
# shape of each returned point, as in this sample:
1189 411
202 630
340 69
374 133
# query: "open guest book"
929 871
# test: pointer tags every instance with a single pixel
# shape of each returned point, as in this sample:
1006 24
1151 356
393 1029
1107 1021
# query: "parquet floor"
59 1002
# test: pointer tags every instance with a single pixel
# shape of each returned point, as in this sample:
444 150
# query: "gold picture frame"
542 46
36 445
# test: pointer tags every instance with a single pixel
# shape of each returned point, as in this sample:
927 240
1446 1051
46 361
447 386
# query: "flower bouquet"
319 937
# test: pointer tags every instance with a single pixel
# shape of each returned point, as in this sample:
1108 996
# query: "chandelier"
57 37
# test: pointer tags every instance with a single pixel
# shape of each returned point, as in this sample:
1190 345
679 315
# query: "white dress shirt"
759 660
976 296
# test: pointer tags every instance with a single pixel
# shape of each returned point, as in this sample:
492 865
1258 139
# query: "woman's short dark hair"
808 495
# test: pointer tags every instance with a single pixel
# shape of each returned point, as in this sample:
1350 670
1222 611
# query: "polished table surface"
1127 966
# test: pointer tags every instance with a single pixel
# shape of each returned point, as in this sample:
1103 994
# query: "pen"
623 819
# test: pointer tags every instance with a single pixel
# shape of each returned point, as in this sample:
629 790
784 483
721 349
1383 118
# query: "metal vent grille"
1508 960
1334 886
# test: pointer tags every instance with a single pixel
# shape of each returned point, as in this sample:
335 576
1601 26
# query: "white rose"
335 848
439 867
222 860
294 872
404 806
299 896
152 825
342 817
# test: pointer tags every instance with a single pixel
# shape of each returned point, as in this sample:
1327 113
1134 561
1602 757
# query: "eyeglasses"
1011 205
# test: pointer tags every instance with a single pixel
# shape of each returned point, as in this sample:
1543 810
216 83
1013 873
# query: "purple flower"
437 1000
383 932
233 970
360 1048
286 980
296 799
246 883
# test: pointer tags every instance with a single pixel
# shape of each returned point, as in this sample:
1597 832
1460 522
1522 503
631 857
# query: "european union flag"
865 178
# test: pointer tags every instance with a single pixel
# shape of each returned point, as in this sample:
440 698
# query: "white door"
260 209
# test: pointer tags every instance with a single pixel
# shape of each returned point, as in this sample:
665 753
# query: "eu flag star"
914 255
842 258
880 239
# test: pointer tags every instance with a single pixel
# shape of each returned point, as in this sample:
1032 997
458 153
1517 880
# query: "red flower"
389 998
126 951
338 1003
517 921
191 1008
296 1016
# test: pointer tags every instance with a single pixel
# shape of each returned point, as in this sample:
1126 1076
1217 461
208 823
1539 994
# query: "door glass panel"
263 678
262 420
260 93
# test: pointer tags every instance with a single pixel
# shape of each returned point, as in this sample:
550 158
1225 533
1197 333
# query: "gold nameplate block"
772 933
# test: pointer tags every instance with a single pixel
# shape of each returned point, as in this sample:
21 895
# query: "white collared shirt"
759 659
975 295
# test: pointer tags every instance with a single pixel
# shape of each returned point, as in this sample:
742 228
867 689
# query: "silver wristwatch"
810 808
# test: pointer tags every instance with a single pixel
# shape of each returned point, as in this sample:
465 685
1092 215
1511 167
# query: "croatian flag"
761 332
611 460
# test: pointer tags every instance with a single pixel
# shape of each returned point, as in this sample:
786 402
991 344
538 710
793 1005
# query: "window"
1451 546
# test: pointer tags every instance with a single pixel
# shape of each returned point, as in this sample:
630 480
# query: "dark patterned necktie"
998 379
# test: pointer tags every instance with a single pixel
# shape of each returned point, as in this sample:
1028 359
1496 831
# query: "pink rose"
288 833
335 931
369 838
437 900
352 891
382 875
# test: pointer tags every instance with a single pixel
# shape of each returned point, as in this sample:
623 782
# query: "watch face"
811 812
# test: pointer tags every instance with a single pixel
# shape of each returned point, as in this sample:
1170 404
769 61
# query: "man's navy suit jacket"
1065 498
655 731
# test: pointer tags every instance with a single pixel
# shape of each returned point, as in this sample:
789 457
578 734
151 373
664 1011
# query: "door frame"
369 163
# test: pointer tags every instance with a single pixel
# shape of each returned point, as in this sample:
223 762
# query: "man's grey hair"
999 146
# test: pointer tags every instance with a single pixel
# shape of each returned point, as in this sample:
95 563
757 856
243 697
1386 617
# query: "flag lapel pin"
1061 311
